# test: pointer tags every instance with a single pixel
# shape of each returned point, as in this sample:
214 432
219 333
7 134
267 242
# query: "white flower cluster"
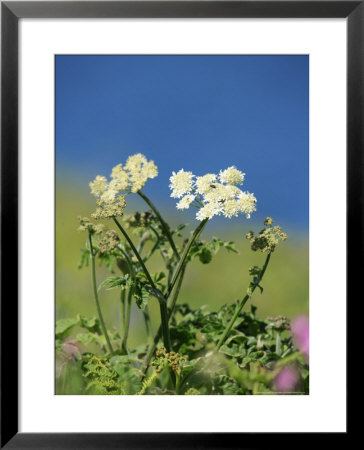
132 177
124 179
213 194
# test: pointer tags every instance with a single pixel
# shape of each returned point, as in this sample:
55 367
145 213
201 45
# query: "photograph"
181 224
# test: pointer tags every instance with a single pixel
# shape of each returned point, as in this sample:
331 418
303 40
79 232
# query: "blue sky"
200 113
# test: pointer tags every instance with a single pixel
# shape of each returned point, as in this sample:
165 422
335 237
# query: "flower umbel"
213 194
185 202
139 170
98 186
181 183
268 238
231 175
132 177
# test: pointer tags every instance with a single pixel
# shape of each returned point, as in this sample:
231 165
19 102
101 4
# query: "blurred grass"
225 279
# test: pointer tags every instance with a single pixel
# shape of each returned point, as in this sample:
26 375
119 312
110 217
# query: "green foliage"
192 391
247 363
141 288
205 250
129 375
250 350
122 283
147 383
64 327
102 379
141 294
247 360
84 258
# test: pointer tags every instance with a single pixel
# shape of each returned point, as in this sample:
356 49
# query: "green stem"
136 253
153 347
184 255
96 296
240 306
164 226
128 261
122 307
176 293
178 380
146 314
155 246
156 292
165 328
148 322
127 323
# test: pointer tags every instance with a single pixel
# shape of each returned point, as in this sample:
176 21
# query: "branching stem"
178 273
240 306
164 226
171 308
184 255
156 291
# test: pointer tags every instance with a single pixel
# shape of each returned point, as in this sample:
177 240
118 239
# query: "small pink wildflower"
287 380
300 331
71 349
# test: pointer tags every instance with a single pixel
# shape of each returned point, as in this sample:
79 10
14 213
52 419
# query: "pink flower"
71 349
287 380
300 331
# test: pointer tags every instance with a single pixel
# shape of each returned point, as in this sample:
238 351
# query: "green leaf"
86 338
205 255
129 375
158 276
89 323
260 288
84 258
116 282
230 246
64 327
235 346
141 295
226 385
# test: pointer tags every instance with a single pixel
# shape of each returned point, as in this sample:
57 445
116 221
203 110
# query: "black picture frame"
11 12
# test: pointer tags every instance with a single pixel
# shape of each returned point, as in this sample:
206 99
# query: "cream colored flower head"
139 171
110 195
181 183
213 194
98 186
232 176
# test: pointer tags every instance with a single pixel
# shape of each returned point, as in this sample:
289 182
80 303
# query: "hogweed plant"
189 352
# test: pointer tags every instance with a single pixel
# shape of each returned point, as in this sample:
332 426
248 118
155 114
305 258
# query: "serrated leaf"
116 282
128 374
141 295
